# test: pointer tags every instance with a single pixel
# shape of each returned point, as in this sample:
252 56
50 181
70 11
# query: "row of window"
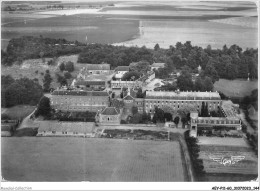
216 121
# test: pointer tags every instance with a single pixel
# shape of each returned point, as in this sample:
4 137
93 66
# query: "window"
193 127
53 132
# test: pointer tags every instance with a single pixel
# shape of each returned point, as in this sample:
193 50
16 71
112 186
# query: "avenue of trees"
229 62
20 91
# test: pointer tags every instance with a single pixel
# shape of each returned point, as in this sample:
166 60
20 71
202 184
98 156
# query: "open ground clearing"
79 159
236 88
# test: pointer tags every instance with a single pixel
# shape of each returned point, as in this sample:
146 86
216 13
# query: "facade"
179 100
95 85
98 68
64 129
156 66
127 84
109 116
79 100
120 71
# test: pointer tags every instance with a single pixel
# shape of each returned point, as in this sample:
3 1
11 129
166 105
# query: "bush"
69 66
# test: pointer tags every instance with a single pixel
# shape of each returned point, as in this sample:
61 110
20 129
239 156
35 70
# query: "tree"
168 116
160 114
128 76
14 95
210 71
139 93
62 67
134 110
44 107
137 118
140 67
47 81
184 81
176 120
69 66
67 75
208 84
199 85
156 47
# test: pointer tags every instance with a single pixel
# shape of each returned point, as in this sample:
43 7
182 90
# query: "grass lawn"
18 112
93 159
235 88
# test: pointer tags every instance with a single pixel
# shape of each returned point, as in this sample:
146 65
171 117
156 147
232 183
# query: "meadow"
78 159
235 88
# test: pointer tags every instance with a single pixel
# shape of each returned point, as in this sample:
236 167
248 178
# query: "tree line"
228 63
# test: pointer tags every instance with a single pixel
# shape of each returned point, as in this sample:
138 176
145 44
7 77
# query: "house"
156 66
120 71
109 116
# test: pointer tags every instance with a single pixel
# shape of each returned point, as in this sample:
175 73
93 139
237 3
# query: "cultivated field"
79 159
18 112
236 88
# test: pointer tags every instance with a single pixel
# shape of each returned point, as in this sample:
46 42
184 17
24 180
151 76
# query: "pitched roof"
85 83
128 97
122 68
98 66
80 127
161 65
110 111
79 93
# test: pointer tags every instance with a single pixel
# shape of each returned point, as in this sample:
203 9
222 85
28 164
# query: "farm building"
57 128
156 66
79 100
109 116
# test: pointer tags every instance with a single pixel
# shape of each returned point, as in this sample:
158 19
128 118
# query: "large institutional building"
79 100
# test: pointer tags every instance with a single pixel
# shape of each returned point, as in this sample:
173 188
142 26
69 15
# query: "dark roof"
79 93
122 68
110 111
78 83
98 66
